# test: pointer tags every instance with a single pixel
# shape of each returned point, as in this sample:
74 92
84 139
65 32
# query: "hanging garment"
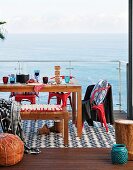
10 120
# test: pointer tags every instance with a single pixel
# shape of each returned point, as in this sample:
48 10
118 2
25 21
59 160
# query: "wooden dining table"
75 89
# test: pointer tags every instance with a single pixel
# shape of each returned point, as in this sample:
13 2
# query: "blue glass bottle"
119 154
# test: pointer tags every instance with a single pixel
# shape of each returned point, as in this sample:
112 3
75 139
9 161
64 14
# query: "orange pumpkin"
11 149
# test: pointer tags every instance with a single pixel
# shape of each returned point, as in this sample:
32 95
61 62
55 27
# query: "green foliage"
2 23
1 34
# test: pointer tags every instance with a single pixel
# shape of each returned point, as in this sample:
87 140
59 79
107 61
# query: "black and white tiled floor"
92 136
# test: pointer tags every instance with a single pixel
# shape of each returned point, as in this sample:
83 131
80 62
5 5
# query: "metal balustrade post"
18 68
127 80
70 68
119 84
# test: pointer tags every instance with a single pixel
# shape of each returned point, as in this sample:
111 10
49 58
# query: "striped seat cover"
40 107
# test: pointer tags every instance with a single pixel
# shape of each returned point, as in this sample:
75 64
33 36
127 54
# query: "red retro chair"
19 97
26 96
96 100
60 96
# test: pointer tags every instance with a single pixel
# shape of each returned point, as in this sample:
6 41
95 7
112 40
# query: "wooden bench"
43 114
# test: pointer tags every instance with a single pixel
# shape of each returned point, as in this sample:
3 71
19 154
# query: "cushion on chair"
99 92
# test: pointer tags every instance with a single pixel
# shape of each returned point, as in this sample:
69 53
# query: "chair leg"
70 100
58 100
33 101
101 115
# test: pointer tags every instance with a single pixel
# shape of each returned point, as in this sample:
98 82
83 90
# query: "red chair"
19 97
60 96
99 95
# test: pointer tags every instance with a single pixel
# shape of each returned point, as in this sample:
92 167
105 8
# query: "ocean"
88 57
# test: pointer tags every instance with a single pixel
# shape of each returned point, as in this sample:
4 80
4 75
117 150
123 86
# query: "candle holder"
119 154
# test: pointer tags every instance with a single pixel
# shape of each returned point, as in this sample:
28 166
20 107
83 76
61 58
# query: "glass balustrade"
86 73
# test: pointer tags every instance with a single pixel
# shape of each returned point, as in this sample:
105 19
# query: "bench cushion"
41 107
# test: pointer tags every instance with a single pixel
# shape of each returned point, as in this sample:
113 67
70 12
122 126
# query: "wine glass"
36 74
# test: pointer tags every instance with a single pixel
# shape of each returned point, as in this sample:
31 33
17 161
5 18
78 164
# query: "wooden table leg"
79 114
66 128
74 107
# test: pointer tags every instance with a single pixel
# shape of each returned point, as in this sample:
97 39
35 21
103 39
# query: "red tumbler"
45 80
5 80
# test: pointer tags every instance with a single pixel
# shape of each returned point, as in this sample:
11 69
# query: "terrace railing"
86 72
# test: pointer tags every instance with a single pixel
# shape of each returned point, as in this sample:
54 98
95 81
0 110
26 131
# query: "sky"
65 16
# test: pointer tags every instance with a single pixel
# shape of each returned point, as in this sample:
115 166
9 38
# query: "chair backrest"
99 92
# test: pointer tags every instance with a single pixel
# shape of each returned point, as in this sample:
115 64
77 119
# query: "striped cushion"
40 107
99 92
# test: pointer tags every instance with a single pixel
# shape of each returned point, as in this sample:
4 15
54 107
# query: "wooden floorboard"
70 159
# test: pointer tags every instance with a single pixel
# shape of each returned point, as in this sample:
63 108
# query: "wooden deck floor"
70 159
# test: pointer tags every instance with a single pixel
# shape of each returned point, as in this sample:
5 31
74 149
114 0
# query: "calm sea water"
65 46
87 51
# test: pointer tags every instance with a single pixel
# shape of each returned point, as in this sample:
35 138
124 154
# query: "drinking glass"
5 79
67 79
12 78
45 80
36 74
